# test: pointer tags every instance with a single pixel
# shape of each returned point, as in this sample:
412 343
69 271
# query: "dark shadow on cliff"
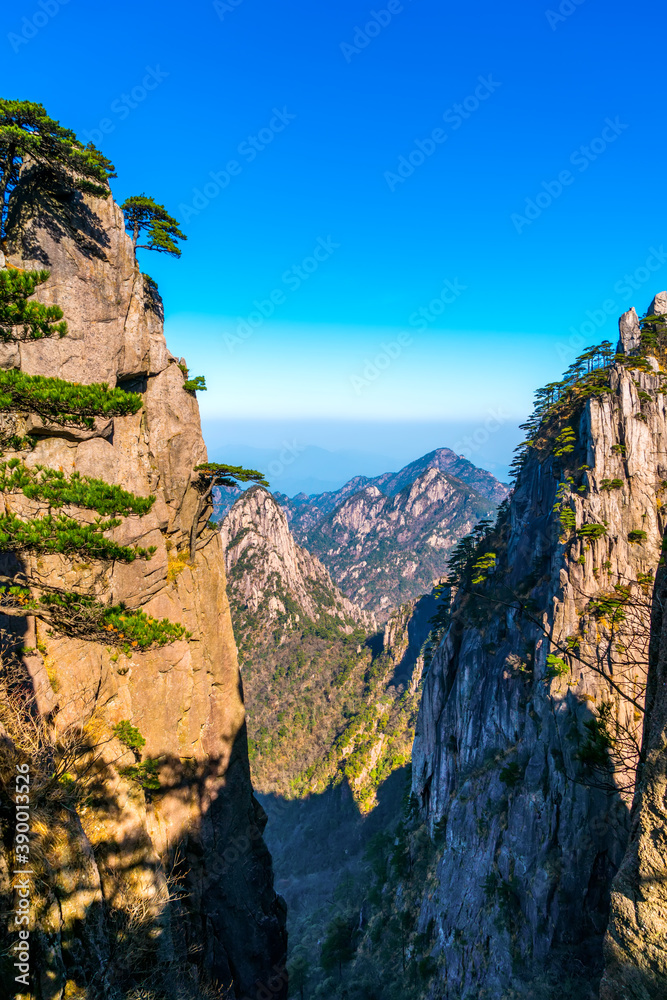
43 200
318 845
419 627
215 920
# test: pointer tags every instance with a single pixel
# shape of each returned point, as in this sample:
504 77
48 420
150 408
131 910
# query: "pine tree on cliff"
27 132
144 215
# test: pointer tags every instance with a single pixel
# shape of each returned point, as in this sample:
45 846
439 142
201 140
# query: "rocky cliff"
134 879
530 723
636 941
387 541
263 561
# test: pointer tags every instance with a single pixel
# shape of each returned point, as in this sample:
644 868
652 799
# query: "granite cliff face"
536 691
263 561
107 854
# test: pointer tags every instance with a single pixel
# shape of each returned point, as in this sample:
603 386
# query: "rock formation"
535 693
136 880
255 534
636 940
385 541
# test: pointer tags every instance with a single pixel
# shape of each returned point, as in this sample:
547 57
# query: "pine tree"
27 131
144 215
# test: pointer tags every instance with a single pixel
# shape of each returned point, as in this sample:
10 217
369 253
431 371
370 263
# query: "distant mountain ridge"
386 540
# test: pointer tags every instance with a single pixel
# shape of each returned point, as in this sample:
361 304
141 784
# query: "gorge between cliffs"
448 695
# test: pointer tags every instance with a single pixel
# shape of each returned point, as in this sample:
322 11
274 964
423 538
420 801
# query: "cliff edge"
157 875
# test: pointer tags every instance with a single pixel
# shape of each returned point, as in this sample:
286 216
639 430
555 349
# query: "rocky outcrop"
119 843
635 945
513 756
263 562
636 941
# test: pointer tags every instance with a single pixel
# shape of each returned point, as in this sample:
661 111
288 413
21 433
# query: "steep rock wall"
186 699
636 941
531 839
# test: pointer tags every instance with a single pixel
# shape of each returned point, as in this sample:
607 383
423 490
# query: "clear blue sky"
332 111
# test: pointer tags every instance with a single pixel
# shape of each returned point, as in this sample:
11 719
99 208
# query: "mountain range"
387 540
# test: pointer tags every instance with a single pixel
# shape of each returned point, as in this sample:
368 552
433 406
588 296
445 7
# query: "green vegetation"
145 774
215 474
483 566
565 442
592 531
111 624
129 735
64 402
27 131
607 485
654 336
594 751
143 216
556 667
34 319
636 537
56 489
197 384
388 955
65 535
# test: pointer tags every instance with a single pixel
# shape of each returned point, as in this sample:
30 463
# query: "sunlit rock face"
223 921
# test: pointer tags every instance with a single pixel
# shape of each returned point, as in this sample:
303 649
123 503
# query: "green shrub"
635 537
64 402
565 442
65 535
197 384
592 531
145 774
53 486
556 666
114 625
129 735
611 484
482 567
35 319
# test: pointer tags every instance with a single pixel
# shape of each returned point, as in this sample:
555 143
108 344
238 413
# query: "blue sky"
402 217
